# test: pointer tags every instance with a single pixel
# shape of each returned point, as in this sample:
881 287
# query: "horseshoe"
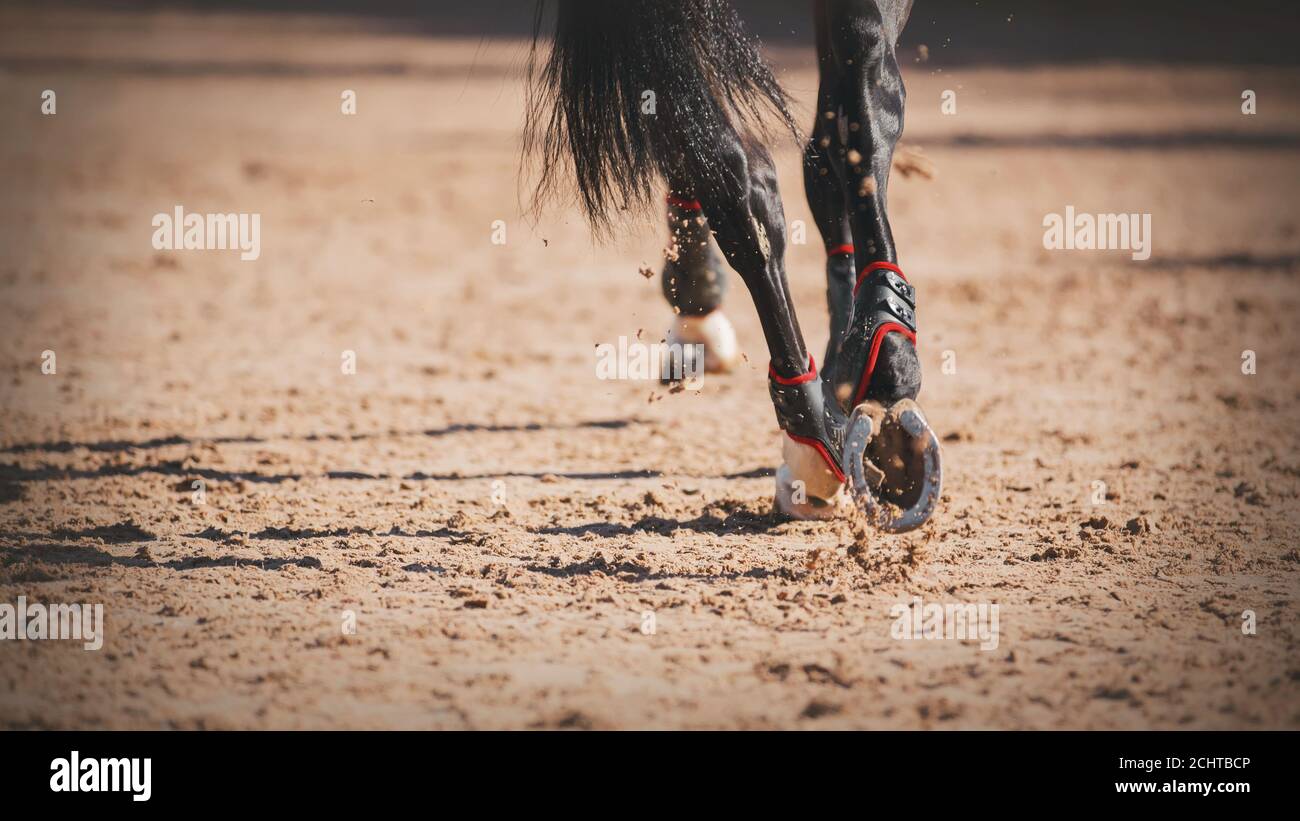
864 479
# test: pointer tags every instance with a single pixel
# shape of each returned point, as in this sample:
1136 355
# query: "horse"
639 94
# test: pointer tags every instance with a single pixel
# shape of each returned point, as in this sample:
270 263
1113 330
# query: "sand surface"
500 522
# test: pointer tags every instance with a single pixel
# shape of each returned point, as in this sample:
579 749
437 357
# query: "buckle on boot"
886 302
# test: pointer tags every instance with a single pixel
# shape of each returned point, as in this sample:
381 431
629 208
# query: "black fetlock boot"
877 357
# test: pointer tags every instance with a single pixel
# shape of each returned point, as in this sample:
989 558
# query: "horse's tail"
634 91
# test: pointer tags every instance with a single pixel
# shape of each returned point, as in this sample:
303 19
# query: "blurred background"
957 31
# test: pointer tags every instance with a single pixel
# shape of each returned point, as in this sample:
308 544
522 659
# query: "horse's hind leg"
694 283
749 223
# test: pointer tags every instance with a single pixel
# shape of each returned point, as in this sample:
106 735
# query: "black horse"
636 91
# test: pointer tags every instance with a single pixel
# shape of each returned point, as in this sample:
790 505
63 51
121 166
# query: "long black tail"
640 90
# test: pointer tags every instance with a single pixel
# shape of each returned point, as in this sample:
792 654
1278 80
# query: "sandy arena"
523 545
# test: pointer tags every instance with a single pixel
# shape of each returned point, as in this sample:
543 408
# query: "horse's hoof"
714 332
805 487
892 464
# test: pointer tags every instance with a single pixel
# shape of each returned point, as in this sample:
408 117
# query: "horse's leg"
694 283
749 223
824 187
877 371
878 358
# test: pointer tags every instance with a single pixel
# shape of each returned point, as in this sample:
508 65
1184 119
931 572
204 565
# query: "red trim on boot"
822 452
879 337
794 380
876 266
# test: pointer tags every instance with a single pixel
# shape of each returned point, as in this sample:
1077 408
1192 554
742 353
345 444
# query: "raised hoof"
892 461
715 333
805 487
